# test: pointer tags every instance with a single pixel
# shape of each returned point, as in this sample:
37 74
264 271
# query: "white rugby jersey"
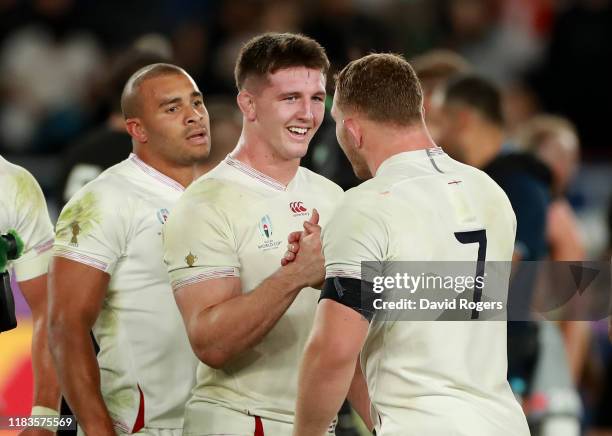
429 377
23 208
114 224
234 222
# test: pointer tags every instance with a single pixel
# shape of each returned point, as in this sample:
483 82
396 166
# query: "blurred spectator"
109 143
520 104
433 69
472 131
554 141
498 38
46 67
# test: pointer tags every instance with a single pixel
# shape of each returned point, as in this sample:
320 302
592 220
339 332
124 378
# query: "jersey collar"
160 177
253 173
407 156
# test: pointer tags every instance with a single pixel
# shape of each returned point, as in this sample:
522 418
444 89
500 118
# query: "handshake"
305 254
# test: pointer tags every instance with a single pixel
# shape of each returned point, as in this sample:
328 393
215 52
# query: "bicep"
339 330
194 298
76 291
35 293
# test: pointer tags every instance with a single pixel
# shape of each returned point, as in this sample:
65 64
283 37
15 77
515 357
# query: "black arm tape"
353 293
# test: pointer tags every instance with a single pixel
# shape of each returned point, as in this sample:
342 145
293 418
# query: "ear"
355 132
246 103
136 130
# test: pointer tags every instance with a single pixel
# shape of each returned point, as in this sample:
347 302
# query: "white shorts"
207 419
146 432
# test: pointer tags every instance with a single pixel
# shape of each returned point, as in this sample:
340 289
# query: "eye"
198 103
291 98
318 98
172 109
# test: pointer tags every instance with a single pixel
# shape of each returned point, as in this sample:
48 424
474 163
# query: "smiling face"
173 119
288 108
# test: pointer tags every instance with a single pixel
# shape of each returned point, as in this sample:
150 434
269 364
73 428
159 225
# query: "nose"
305 112
194 115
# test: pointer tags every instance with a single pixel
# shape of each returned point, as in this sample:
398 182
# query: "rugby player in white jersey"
247 318
424 378
108 275
23 209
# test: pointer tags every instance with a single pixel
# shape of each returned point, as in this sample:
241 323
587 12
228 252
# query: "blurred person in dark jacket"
472 131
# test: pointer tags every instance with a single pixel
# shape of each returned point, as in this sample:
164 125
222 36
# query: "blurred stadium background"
58 84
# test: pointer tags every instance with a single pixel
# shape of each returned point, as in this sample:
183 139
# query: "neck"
389 141
483 145
183 174
258 154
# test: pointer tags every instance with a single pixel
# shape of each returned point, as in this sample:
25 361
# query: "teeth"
298 130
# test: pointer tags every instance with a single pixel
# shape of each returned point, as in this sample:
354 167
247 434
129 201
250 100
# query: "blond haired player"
423 378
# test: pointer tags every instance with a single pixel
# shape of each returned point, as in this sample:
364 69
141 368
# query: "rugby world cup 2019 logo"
265 226
162 215
265 229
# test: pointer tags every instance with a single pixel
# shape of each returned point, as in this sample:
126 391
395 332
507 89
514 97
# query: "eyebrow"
178 99
288 94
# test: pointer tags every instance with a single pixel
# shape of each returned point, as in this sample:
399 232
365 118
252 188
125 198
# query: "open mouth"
198 137
299 131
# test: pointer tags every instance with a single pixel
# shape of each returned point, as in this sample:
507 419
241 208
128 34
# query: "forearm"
230 328
79 377
46 385
359 398
323 386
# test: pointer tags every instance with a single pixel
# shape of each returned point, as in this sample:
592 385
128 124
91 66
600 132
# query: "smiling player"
248 320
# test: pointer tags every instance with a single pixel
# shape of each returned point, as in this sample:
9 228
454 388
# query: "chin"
295 151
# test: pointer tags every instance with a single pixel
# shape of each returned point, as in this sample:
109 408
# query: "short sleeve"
94 226
32 223
199 243
354 234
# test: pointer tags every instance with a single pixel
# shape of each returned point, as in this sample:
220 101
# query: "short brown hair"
383 87
270 52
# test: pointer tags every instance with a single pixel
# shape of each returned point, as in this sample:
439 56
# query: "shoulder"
320 183
211 190
114 184
364 202
20 186
107 196
16 174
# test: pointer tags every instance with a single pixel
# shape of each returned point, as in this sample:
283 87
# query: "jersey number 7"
476 237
